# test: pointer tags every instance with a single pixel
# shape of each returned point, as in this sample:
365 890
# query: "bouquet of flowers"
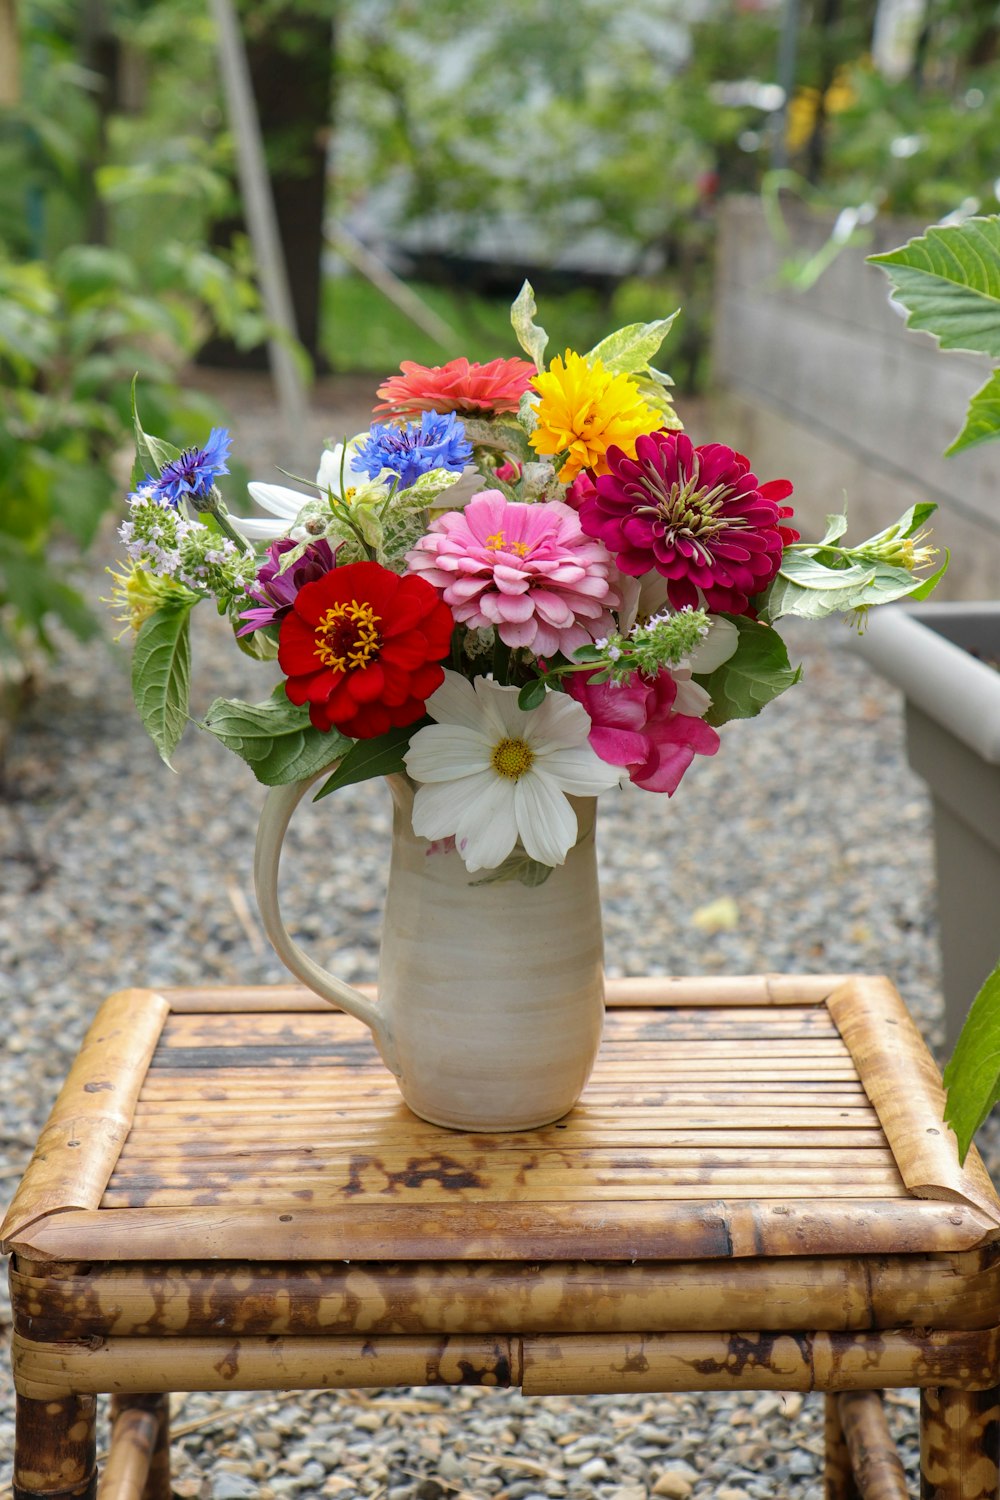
597 604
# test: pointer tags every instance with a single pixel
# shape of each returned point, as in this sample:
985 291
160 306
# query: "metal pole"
258 203
787 50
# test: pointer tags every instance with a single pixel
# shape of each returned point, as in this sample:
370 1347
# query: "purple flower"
435 442
275 591
195 471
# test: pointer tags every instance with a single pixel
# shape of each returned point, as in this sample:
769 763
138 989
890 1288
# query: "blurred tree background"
466 146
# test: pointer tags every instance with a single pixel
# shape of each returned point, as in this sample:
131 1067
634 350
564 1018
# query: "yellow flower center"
511 758
496 543
347 636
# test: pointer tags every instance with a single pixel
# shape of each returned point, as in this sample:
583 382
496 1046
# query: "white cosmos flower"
493 773
285 503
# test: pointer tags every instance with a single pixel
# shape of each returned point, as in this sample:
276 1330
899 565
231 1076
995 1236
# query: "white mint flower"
494 773
285 503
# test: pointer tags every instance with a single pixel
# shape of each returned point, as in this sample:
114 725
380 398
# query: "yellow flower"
136 594
584 409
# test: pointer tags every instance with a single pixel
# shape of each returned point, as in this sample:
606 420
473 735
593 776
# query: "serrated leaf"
757 672
161 677
275 738
972 1076
982 419
949 282
382 756
628 350
517 866
532 339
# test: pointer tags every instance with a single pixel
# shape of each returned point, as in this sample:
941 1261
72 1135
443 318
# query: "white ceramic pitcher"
490 997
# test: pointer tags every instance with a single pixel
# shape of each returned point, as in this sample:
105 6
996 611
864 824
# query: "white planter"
952 703
490 997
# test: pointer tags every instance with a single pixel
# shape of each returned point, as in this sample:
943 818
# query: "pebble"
229 1486
114 872
674 1485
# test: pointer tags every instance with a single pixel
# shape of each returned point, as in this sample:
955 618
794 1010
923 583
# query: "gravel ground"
804 845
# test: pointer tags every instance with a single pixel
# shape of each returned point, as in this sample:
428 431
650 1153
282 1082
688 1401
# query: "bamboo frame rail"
763 1153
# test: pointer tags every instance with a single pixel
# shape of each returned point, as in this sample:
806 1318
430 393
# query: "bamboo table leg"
138 1466
838 1475
959 1444
878 1472
55 1449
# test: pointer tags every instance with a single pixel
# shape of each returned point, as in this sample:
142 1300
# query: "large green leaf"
161 676
949 282
275 738
982 420
382 756
972 1077
756 673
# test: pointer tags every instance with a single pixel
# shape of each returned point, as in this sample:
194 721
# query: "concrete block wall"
829 388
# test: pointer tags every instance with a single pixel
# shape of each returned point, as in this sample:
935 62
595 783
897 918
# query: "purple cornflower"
194 472
275 591
435 442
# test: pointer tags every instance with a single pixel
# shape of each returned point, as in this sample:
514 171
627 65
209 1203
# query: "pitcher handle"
279 804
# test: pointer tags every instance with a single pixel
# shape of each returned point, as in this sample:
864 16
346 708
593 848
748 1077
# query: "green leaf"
531 695
949 282
275 738
629 350
756 673
161 676
836 526
382 756
517 866
972 1076
929 584
151 454
982 419
801 568
531 338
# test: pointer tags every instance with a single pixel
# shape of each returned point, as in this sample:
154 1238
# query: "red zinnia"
361 646
698 516
471 390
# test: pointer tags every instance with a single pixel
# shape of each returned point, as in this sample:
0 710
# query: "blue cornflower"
437 442
194 472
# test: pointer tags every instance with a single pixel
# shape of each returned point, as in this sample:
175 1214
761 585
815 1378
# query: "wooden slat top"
763 1124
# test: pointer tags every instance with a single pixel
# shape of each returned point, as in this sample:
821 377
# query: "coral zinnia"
470 389
527 569
698 516
583 410
362 646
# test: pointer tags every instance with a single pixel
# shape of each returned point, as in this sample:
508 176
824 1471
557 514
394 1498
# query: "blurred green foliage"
104 272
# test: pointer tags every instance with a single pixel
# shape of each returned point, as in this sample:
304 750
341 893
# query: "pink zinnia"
471 390
698 516
635 725
526 569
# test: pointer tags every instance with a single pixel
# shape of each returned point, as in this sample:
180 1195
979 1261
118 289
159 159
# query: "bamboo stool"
756 1192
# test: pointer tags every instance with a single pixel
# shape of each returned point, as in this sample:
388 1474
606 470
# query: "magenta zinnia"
698 516
528 570
461 386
